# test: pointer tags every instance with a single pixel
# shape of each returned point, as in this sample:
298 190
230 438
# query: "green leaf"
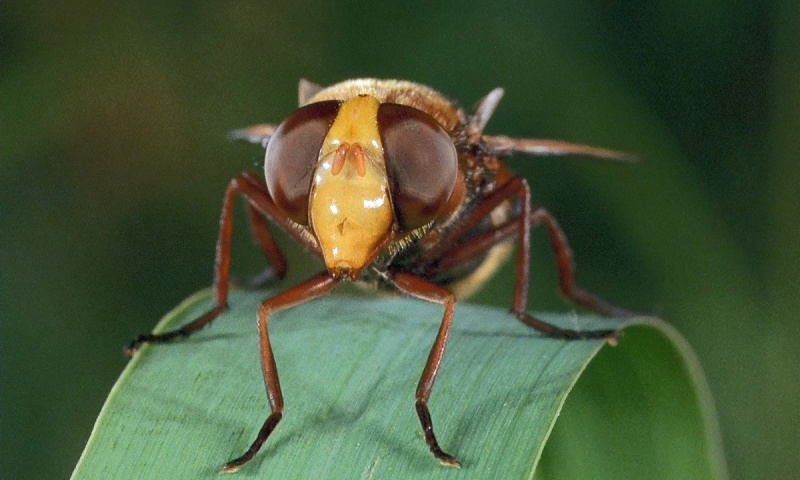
349 368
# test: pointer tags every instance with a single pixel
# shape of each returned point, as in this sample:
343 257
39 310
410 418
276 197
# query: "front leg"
309 290
421 288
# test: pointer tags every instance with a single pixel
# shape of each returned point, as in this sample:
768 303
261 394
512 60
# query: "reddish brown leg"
421 288
277 267
566 267
481 211
255 193
309 290
518 187
268 246
258 196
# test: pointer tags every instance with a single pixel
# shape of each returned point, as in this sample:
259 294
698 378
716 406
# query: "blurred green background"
114 161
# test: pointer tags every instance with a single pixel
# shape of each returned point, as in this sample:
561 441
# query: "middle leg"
517 189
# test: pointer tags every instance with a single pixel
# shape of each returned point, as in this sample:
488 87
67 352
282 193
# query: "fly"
391 185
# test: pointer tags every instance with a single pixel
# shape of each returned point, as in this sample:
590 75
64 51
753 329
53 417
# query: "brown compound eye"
421 163
292 154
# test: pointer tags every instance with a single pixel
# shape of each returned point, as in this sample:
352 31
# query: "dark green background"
114 160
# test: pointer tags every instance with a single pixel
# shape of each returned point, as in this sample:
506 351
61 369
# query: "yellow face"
349 207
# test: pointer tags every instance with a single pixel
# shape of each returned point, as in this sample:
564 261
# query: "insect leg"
566 267
520 227
421 288
277 263
258 197
309 290
566 272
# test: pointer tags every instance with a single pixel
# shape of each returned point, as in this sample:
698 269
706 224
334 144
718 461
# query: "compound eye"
292 154
421 163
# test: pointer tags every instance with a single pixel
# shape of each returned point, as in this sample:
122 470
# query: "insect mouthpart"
344 271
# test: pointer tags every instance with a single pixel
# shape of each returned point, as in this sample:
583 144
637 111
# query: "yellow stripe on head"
350 209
